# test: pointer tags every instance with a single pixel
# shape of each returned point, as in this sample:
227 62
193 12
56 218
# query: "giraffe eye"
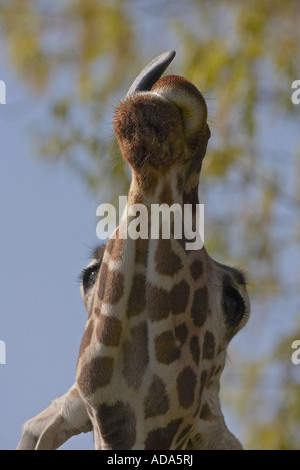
233 306
89 276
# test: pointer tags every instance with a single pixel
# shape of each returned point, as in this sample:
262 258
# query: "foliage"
244 56
270 399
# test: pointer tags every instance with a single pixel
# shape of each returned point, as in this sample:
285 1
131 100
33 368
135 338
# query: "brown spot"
115 247
208 345
112 289
156 402
196 269
117 425
206 413
186 383
181 333
102 276
166 349
182 436
158 302
135 355
218 371
165 196
180 184
161 438
195 349
137 297
86 338
203 379
97 310
191 197
141 251
95 374
179 296
199 307
211 372
167 261
109 330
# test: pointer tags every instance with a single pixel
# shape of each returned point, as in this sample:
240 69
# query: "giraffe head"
162 131
160 317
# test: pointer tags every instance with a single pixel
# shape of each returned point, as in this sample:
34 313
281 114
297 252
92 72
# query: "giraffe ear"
188 99
151 73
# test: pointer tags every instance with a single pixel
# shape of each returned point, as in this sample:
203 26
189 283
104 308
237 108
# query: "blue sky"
47 226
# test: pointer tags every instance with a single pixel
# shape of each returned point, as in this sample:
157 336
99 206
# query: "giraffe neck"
173 188
142 334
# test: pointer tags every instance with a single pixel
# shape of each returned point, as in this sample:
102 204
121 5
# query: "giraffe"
159 317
